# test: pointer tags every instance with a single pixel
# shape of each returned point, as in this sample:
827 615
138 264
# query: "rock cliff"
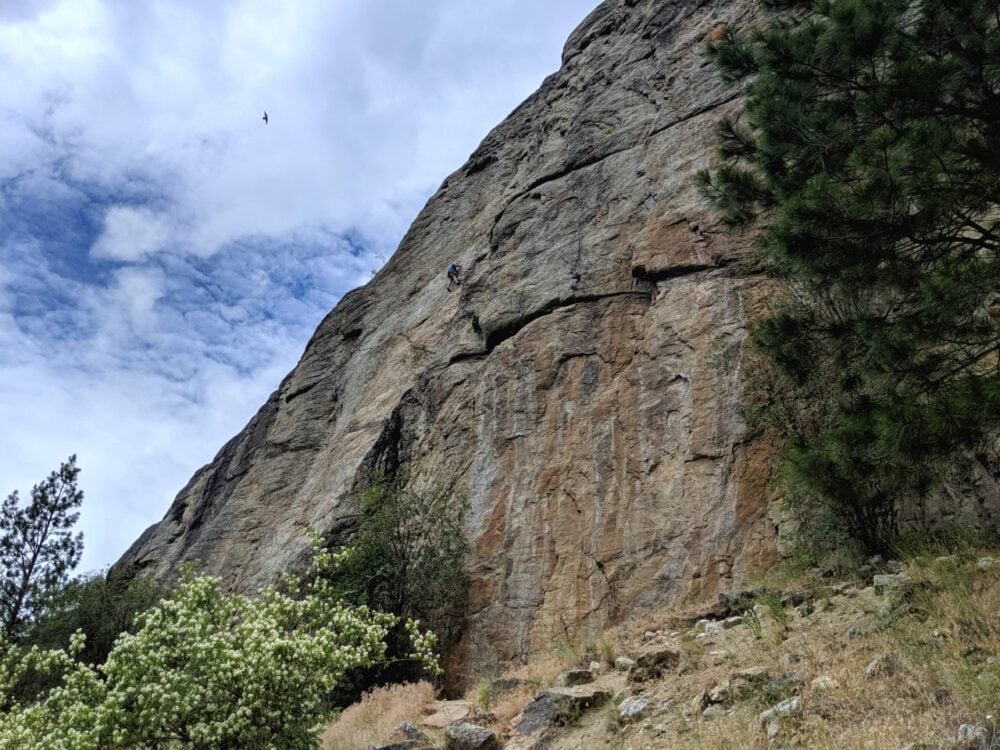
581 386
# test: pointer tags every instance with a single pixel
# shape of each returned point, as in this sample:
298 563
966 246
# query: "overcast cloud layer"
166 255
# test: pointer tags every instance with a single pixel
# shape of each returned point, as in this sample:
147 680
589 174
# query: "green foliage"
205 669
100 608
772 602
408 554
407 557
484 696
870 152
37 546
752 621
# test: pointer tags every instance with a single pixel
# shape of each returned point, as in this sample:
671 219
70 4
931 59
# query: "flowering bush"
205 669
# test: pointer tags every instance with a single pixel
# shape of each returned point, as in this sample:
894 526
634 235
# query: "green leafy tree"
205 670
869 157
407 557
100 607
37 546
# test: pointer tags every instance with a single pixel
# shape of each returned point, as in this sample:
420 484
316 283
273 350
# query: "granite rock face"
581 387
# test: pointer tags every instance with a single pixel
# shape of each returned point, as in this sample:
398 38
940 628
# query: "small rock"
650 635
467 736
732 622
624 664
875 560
895 566
789 707
824 683
699 703
773 730
714 628
408 731
720 693
651 664
786 681
790 659
751 674
987 564
631 709
405 745
596 667
974 737
572 677
718 657
992 660
883 665
713 712
820 572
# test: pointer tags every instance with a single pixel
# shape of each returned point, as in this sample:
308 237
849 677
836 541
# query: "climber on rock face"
453 271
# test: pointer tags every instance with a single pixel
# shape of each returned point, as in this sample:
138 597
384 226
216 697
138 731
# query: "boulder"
883 665
467 736
652 663
720 693
631 709
624 664
572 677
975 737
557 706
443 713
987 564
823 682
788 707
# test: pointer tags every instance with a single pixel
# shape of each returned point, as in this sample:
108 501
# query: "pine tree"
37 545
869 157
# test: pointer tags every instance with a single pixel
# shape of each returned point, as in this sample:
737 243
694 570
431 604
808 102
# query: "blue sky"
165 255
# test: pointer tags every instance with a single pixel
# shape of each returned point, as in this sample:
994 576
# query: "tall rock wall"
581 387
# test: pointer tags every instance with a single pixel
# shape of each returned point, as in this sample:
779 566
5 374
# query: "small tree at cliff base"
37 546
407 557
869 153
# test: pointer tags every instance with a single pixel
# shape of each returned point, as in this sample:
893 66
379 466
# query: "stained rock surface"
581 387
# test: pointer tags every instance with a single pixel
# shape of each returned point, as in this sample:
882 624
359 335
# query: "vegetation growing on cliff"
869 154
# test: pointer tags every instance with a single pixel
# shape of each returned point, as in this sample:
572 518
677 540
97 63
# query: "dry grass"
370 721
941 632
509 705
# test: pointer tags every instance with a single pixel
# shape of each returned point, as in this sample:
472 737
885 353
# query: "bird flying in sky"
265 117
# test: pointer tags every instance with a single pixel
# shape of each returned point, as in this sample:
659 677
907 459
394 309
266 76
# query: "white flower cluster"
205 669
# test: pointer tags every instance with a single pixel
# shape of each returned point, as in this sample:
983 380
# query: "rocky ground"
894 655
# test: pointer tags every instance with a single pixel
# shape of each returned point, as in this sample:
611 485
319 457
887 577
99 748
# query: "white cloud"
130 234
165 255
